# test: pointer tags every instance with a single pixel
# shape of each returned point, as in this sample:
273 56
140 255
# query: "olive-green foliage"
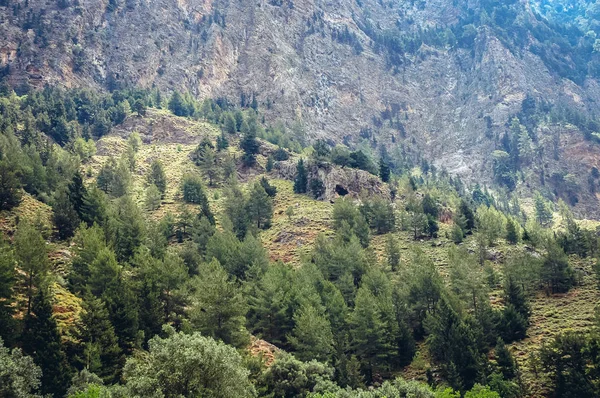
86 384
187 365
289 377
19 374
403 388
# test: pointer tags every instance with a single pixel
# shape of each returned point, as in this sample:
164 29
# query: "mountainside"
438 80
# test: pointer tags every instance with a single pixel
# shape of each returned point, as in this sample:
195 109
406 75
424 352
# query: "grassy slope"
289 240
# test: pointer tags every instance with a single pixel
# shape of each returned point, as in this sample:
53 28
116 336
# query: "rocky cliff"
437 79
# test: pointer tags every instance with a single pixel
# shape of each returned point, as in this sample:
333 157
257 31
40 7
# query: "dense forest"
103 294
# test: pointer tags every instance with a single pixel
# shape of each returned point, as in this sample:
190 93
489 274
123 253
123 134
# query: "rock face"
338 181
319 62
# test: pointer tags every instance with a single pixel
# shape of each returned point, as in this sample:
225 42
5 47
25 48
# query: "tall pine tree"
42 341
301 179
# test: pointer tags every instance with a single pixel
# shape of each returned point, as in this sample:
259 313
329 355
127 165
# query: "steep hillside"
440 80
292 238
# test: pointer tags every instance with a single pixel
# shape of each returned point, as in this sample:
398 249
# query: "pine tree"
32 258
222 142
347 217
312 337
153 198
454 344
104 271
317 188
139 107
42 341
270 164
466 212
8 277
543 213
130 228
208 165
514 295
122 305
157 177
106 175
250 146
430 206
192 189
177 105
505 361
301 179
218 309
235 209
259 207
269 189
556 271
392 252
101 353
368 332
88 244
65 217
269 305
230 124
511 232
77 193
94 209
10 187
239 119
384 170
151 309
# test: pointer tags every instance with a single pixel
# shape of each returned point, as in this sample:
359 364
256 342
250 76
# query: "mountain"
348 199
439 80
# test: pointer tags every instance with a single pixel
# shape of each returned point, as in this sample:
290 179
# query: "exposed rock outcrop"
338 181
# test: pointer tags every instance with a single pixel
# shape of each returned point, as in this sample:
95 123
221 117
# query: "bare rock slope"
325 63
